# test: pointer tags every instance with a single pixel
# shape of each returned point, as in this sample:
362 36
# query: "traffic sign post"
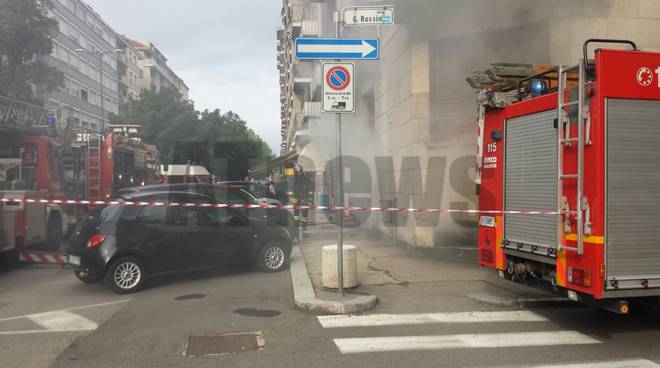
337 48
338 82
338 88
368 15
340 171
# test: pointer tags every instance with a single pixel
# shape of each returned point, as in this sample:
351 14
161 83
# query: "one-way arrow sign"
337 48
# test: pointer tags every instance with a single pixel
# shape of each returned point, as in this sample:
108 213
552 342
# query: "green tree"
165 118
25 37
221 142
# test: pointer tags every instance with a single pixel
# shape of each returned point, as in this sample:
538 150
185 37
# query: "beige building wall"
424 107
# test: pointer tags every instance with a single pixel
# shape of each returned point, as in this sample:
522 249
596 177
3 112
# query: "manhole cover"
251 312
190 296
224 344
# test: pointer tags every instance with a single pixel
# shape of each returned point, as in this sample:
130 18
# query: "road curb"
304 296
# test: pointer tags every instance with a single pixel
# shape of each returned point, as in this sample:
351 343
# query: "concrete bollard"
329 269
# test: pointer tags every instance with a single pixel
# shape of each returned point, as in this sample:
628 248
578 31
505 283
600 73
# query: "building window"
83 95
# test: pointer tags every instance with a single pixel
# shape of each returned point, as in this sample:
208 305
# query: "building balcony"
311 28
303 74
301 86
311 110
302 138
297 15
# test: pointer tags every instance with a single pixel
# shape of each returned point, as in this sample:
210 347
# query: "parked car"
259 190
230 194
174 174
124 245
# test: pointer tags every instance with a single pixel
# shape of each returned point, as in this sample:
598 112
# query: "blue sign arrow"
337 48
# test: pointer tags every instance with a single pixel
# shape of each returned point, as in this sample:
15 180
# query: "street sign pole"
340 190
338 88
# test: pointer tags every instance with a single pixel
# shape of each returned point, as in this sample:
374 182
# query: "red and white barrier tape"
33 257
280 206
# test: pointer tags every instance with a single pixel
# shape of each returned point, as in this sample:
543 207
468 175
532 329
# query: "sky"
225 51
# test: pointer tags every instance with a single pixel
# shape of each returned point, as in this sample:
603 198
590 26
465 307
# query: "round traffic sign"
338 78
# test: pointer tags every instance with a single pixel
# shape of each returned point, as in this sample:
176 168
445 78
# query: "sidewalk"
383 266
381 263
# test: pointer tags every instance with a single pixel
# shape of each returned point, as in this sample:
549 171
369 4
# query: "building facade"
414 132
155 71
131 76
79 101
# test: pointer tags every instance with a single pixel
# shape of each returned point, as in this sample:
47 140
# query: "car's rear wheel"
126 275
273 257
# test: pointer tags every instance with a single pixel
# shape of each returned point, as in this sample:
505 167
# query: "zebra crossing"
545 337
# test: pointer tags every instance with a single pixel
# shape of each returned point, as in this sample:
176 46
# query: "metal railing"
22 114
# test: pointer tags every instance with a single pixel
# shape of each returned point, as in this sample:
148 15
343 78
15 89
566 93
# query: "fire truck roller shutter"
633 193
531 181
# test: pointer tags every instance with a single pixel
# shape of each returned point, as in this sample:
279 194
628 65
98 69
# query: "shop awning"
265 168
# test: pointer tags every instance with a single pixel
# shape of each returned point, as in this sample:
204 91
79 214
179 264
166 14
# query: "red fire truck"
97 168
568 159
40 160
29 169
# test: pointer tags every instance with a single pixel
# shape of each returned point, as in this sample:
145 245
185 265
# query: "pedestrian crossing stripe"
466 341
633 363
374 320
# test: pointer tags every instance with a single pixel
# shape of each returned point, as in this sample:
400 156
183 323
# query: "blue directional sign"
337 48
51 120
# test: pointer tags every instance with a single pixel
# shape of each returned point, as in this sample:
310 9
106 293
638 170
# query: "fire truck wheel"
126 275
54 232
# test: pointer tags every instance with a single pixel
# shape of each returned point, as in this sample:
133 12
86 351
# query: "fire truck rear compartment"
531 184
633 194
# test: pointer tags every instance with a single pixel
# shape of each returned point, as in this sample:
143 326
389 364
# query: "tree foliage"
25 37
222 142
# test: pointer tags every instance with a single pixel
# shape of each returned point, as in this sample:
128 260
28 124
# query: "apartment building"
414 104
79 102
131 76
299 80
156 74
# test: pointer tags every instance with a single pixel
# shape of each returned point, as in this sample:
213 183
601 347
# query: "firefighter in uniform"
302 195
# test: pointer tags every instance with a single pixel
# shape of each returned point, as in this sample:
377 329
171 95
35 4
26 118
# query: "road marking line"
633 363
510 301
63 321
373 320
68 309
472 341
30 332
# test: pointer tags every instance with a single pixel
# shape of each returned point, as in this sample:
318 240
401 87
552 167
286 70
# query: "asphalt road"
49 318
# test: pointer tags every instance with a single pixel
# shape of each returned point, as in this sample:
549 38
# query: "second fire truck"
569 163
39 161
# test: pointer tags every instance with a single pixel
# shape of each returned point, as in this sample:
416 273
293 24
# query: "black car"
260 191
229 194
124 244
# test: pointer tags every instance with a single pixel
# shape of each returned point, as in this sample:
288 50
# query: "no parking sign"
338 93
